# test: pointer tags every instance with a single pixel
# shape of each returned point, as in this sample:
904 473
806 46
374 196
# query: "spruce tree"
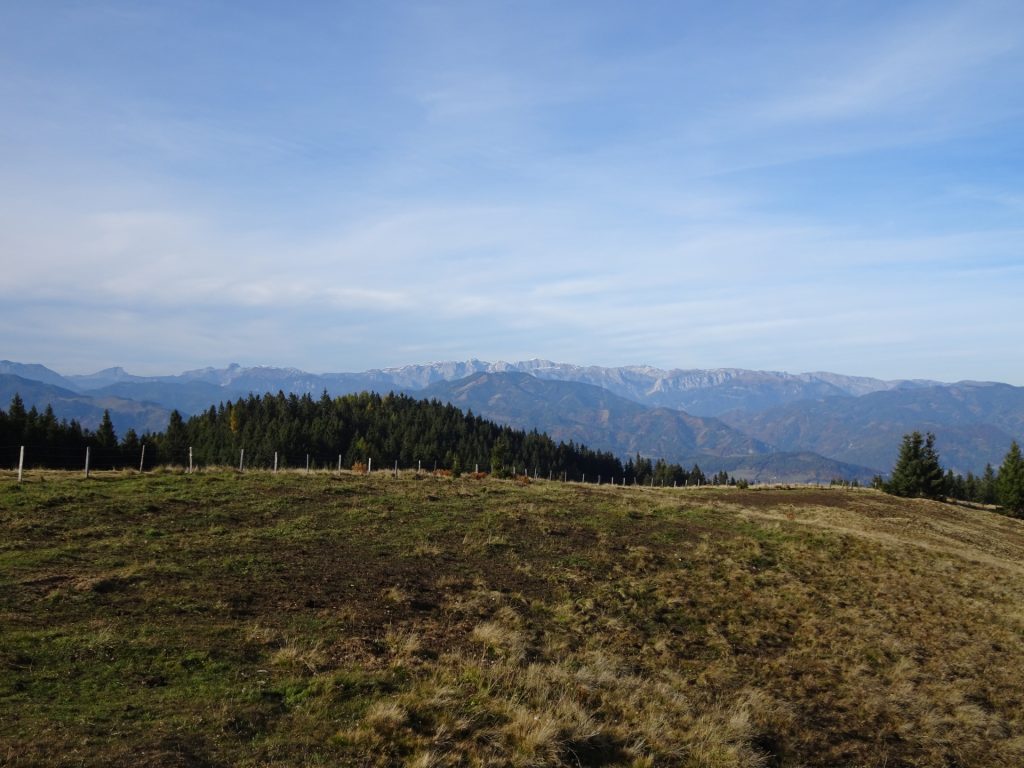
1010 482
175 440
905 478
917 471
989 494
933 485
106 438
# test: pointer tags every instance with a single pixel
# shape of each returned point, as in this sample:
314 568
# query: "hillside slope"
973 423
292 619
88 410
591 415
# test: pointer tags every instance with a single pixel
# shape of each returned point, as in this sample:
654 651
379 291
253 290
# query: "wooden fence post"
21 462
86 461
142 459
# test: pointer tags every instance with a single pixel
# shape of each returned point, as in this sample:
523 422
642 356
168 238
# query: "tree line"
643 471
352 430
61 444
367 428
918 473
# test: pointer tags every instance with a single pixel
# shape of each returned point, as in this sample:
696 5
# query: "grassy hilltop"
223 619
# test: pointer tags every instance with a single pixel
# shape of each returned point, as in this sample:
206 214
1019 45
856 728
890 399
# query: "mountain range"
763 425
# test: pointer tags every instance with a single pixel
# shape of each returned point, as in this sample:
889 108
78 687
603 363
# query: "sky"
796 186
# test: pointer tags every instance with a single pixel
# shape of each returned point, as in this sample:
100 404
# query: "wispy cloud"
683 186
906 67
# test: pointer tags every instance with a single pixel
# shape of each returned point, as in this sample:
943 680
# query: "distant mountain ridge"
702 392
591 415
853 421
600 419
87 410
974 424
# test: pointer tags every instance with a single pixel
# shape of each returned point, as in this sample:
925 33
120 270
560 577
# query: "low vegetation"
254 619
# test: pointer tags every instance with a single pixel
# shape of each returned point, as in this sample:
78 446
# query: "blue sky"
337 186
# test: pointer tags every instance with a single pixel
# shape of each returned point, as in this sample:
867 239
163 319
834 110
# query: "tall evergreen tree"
106 438
917 471
988 491
175 440
1010 482
933 484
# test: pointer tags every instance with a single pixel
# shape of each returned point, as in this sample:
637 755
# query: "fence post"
275 461
21 461
86 461
142 459
190 459
419 465
369 465
307 463
241 459
396 467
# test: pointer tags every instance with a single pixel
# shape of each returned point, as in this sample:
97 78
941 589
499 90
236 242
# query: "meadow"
259 619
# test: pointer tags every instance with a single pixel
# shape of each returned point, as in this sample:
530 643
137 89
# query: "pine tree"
500 457
106 438
16 416
917 471
1010 482
933 485
988 486
175 442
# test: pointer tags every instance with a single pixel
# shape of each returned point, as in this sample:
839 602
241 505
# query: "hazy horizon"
155 372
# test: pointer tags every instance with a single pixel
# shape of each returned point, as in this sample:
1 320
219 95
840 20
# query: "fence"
90 459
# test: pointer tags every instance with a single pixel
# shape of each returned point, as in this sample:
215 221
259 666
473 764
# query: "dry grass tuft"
308 656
